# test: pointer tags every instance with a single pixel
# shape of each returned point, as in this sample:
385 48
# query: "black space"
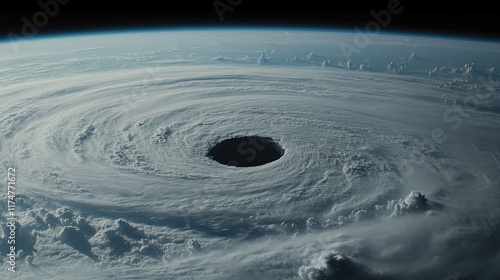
246 151
469 19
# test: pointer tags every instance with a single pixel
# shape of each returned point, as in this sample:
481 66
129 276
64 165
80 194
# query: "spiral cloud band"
110 133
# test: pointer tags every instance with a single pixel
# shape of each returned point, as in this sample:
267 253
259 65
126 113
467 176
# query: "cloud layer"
110 140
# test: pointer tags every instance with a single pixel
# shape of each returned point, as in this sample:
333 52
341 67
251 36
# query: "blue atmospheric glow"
243 28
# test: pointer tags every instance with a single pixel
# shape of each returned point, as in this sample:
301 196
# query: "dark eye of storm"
246 151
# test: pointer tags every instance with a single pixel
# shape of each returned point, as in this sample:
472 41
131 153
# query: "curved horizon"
242 27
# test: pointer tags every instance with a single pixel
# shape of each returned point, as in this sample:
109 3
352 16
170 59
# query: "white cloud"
111 189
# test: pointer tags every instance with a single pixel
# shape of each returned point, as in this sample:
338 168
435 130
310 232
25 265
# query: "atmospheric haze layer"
388 162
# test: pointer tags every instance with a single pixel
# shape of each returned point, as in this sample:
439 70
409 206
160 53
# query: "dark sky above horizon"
455 19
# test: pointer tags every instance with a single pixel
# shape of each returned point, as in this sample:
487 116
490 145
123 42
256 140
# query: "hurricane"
385 166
